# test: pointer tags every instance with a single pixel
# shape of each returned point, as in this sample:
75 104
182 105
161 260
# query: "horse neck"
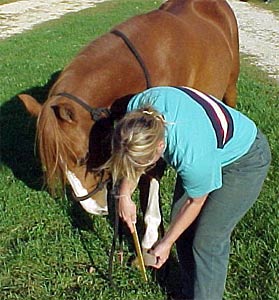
120 81
102 76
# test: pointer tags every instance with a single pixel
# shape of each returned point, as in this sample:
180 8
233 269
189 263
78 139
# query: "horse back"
192 43
218 13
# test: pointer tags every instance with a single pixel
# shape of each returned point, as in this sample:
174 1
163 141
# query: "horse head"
66 150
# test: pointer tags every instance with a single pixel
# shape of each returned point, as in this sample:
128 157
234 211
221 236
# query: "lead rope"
97 113
118 234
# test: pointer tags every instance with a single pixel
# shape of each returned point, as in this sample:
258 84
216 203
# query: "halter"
99 186
96 113
103 112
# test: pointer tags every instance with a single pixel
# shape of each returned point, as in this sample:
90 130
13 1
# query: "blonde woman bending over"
221 160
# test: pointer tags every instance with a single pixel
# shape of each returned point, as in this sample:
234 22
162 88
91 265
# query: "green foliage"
52 249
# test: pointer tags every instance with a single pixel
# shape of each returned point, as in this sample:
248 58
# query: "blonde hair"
134 143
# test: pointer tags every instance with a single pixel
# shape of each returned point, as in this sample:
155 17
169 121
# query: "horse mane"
55 149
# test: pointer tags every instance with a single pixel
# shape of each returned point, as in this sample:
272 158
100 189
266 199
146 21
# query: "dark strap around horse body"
136 54
96 113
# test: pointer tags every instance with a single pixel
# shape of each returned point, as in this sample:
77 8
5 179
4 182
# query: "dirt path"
259 36
259 29
22 15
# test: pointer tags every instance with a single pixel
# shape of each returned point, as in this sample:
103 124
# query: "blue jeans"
203 249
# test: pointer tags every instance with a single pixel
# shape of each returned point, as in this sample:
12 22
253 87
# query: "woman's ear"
161 146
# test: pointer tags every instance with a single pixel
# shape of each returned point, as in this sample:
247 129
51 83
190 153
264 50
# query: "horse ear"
31 104
64 112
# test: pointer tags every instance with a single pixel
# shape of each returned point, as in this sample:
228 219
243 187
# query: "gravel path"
259 29
259 35
19 16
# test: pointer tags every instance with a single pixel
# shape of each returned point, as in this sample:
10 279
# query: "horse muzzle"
86 199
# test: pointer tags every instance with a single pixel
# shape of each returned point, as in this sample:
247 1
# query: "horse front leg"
150 204
152 213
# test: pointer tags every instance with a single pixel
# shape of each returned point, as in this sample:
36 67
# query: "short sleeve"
201 176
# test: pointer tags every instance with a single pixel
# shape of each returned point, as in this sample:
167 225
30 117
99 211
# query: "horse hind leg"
230 95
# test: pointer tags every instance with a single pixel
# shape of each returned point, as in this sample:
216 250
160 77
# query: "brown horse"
185 42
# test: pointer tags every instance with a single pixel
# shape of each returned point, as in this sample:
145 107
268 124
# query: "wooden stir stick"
139 253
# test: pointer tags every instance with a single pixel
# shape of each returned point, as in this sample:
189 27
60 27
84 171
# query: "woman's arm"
187 214
127 208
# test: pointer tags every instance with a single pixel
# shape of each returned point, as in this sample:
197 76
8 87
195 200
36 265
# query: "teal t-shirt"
202 134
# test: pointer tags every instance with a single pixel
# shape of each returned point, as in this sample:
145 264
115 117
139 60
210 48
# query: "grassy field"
7 1
50 248
273 5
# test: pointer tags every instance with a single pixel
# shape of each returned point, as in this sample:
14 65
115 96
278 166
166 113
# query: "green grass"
7 1
273 5
48 245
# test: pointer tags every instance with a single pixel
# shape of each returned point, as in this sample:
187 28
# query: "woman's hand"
184 218
161 252
126 207
127 211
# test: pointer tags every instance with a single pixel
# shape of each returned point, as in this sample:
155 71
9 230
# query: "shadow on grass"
83 222
19 154
168 277
18 130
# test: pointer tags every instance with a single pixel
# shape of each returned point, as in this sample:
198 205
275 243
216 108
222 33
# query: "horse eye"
81 161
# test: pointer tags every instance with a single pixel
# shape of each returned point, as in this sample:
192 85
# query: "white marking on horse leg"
152 216
90 205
